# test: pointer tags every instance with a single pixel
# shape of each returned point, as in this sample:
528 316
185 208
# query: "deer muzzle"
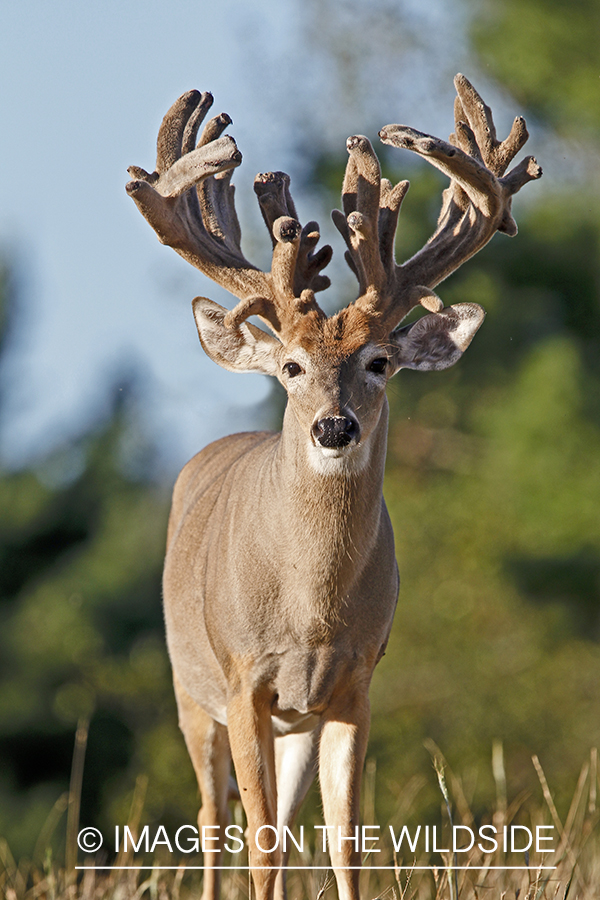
335 431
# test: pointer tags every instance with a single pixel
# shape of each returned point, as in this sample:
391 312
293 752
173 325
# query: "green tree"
548 56
81 637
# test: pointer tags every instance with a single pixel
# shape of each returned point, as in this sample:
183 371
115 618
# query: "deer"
280 578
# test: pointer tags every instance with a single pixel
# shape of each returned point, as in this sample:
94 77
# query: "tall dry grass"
478 876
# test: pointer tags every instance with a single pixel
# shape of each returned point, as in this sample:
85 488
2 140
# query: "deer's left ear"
438 340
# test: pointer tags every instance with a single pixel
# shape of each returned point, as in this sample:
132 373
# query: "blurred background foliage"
547 57
493 484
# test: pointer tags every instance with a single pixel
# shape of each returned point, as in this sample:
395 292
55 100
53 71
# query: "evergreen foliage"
81 638
548 56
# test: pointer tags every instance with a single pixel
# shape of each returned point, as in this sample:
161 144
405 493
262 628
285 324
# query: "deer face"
335 370
335 396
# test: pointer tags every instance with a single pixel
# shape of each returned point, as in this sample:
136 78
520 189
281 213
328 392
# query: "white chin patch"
333 452
338 460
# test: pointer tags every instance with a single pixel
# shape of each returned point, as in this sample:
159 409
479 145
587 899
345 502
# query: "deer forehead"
346 336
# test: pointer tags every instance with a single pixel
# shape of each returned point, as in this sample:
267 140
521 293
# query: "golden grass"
576 860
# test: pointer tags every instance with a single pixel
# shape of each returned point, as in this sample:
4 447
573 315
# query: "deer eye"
293 369
378 365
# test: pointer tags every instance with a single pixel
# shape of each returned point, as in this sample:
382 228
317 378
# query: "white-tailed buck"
280 577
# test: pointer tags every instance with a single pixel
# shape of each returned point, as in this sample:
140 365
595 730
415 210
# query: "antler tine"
217 202
216 195
359 224
189 109
189 202
190 131
371 206
475 206
495 154
391 201
272 190
309 264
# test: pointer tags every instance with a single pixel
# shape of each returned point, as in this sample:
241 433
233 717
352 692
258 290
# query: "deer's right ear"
244 348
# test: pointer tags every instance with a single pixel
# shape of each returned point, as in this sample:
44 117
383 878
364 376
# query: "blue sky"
83 88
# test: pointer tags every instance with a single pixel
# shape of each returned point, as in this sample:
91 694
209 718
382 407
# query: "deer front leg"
252 749
341 758
208 747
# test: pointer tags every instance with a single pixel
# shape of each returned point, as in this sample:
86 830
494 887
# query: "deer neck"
328 514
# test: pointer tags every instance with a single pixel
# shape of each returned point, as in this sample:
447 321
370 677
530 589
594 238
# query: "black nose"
335 431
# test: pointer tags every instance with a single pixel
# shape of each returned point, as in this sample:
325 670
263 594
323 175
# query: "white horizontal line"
327 868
